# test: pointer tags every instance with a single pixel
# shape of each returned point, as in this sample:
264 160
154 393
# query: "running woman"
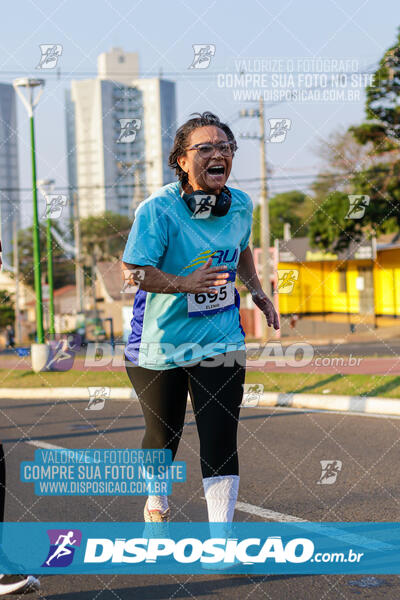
10 584
188 241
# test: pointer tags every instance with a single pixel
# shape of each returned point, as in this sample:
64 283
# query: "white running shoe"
156 523
18 584
155 516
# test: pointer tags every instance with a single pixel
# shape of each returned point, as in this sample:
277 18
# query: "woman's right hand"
204 279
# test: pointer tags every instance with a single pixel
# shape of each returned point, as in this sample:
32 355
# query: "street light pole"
46 186
36 243
79 278
30 103
18 331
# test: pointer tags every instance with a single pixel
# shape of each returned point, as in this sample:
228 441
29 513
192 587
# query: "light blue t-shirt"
171 330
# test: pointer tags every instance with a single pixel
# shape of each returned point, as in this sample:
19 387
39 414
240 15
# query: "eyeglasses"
206 150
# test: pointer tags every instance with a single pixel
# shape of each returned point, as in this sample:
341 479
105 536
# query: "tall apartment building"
120 129
9 175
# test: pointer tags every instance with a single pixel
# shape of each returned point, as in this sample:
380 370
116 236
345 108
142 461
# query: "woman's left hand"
265 305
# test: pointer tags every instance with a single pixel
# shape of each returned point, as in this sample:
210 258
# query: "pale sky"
280 35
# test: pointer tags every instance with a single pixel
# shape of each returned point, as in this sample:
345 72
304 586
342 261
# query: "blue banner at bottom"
146 548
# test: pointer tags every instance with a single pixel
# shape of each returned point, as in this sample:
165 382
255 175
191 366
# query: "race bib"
207 304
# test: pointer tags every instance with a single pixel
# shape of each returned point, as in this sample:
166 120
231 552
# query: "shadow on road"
386 387
308 388
73 421
95 431
206 585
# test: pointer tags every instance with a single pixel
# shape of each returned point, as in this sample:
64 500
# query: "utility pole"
125 169
79 280
93 279
18 332
264 210
137 192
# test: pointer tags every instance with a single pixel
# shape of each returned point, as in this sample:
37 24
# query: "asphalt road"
280 453
378 348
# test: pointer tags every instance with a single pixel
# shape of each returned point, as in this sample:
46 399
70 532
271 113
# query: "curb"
360 404
63 393
335 341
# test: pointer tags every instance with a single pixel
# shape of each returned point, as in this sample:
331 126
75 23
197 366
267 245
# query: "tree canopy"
292 207
376 172
104 234
7 314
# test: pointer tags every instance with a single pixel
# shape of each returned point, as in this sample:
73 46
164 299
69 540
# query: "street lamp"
46 186
39 352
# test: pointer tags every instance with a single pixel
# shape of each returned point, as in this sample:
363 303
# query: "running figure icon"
62 549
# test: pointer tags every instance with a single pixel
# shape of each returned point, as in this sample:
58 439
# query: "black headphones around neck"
199 201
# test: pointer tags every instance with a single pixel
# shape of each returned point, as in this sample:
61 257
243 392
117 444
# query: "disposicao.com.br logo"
210 551
249 547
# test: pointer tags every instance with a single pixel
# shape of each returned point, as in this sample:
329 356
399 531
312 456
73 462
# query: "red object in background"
247 321
258 316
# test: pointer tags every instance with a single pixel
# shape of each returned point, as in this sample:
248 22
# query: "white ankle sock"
158 503
221 494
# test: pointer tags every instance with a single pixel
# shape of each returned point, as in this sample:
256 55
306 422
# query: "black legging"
216 393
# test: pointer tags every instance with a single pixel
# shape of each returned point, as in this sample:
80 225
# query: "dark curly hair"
183 133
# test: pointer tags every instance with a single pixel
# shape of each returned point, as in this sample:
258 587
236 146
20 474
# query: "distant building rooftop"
300 250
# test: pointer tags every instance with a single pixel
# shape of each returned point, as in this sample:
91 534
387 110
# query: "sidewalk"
335 329
351 404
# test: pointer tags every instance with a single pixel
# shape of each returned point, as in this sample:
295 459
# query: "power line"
200 73
317 176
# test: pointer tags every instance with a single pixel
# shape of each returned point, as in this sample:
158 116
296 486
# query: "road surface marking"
46 445
313 527
265 513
